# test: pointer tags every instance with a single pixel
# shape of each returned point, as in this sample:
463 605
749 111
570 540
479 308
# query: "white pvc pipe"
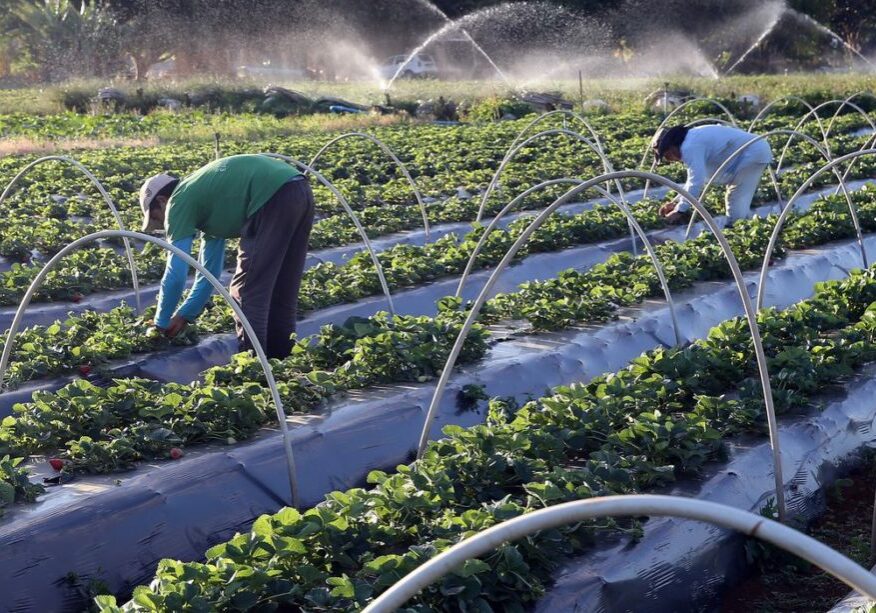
189 260
514 150
842 104
135 281
763 112
774 237
566 114
738 280
631 221
749 524
389 152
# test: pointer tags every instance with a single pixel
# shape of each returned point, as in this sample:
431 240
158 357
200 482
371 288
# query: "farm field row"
668 416
103 429
665 416
39 223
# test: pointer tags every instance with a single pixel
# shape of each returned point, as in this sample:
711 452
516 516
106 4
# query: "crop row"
103 429
47 226
366 180
93 270
92 339
664 417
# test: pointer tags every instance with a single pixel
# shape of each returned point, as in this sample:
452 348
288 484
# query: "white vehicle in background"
420 65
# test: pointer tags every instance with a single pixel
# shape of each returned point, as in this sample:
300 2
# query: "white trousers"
740 192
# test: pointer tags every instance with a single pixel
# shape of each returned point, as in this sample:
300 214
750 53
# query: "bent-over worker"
263 201
703 150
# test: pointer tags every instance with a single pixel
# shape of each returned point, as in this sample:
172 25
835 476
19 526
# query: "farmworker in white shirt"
703 150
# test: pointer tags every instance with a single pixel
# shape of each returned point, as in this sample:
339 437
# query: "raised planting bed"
671 415
46 313
681 565
446 159
781 582
185 506
416 301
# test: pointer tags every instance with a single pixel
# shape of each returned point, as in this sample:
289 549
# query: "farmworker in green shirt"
263 201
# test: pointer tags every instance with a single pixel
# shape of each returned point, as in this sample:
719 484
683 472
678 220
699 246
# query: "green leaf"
7 494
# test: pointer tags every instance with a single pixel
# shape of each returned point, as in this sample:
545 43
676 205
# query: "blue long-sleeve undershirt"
174 280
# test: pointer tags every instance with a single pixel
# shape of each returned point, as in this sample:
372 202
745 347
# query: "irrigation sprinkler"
825 153
352 215
783 216
635 505
135 281
515 149
389 153
631 220
738 280
189 260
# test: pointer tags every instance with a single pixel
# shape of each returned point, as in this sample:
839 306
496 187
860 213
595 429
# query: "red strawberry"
176 453
76 297
57 464
85 370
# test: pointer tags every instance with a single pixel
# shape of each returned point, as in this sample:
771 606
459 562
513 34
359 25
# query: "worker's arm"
696 178
172 283
212 258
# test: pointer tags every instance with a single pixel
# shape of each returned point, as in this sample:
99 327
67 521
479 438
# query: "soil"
788 584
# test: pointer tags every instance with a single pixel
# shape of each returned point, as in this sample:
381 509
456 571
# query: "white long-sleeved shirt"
706 148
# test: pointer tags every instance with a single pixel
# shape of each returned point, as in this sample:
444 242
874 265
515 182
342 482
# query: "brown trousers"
270 264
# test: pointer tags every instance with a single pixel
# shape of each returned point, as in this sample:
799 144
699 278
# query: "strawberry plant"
624 432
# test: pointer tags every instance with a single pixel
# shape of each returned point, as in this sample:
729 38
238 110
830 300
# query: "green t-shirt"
221 196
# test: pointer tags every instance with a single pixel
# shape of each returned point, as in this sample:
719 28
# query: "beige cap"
148 191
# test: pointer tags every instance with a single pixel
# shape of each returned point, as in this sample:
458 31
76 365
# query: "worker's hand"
177 324
677 218
666 208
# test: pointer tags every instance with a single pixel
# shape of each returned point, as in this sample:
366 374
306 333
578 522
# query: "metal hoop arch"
135 280
634 505
826 133
346 206
566 114
631 220
514 150
761 288
750 313
824 153
859 94
763 112
870 142
189 260
389 153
